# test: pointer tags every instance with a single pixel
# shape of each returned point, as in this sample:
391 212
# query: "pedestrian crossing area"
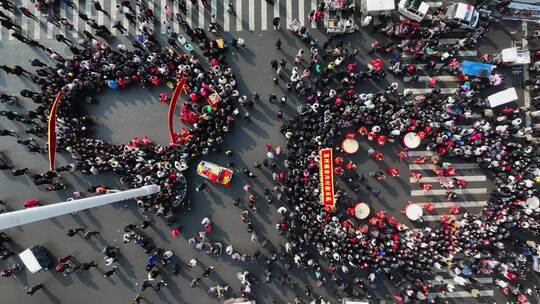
473 196
248 15
478 292
447 83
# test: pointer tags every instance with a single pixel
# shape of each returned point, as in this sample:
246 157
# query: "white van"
463 14
413 9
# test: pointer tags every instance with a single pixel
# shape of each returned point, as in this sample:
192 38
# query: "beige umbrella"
361 211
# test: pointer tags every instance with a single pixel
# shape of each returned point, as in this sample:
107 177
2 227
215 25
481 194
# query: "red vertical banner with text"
172 105
326 173
52 130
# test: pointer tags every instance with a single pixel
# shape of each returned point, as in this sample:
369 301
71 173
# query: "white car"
413 9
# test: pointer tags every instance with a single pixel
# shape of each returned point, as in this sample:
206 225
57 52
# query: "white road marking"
114 17
301 11
24 20
470 204
189 8
469 53
432 166
264 15
276 12
444 78
201 15
226 18
288 11
137 26
445 91
175 22
88 12
434 179
451 281
444 191
100 14
421 153
433 218
238 8
313 7
251 11
461 294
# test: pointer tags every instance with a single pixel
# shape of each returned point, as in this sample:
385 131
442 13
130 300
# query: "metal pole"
31 215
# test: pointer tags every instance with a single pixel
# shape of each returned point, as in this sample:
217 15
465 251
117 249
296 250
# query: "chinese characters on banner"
326 169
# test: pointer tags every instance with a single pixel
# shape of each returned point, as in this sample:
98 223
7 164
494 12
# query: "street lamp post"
31 215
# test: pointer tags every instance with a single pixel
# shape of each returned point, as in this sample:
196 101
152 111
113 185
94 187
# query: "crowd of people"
476 243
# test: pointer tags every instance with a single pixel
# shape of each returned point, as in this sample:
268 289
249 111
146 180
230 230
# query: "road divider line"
444 191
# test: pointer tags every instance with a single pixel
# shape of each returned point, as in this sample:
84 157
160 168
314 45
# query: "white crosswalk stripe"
252 15
264 15
469 53
461 294
451 281
443 78
226 19
313 7
470 204
444 191
433 179
251 8
445 91
459 166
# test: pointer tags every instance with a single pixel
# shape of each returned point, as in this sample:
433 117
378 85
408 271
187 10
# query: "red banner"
52 130
172 105
326 173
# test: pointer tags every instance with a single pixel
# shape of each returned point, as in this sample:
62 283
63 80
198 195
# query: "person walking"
118 26
74 231
159 285
87 266
97 7
231 10
278 44
276 23
110 272
32 289
87 235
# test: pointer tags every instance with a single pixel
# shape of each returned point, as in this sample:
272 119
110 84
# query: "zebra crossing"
251 15
483 285
474 196
447 83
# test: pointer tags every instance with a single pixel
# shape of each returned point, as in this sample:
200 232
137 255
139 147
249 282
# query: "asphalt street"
121 115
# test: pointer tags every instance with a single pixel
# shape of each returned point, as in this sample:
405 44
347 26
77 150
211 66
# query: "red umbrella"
377 64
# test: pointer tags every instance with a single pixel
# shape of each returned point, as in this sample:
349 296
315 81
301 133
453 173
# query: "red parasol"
377 64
